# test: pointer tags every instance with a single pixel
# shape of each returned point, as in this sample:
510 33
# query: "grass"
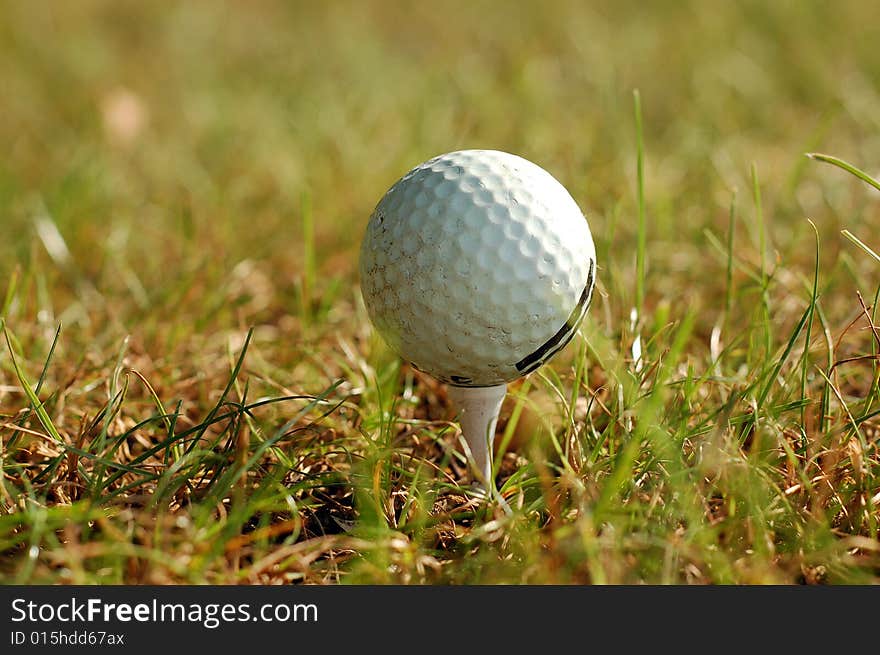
190 391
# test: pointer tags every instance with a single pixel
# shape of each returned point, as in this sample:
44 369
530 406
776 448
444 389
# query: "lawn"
191 390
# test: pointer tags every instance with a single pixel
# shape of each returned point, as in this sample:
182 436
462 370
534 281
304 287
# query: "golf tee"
478 409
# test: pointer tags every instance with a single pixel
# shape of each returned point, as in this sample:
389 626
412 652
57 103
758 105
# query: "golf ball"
477 266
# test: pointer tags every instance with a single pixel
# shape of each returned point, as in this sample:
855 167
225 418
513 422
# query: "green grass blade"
229 385
762 254
731 229
808 335
861 244
642 225
849 168
765 390
11 288
38 387
35 401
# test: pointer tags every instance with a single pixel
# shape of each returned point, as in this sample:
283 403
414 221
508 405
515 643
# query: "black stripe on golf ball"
558 341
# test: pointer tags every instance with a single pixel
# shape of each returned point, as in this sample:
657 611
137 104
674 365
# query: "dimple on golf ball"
477 266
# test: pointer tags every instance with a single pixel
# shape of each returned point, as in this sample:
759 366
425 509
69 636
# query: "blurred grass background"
175 173
238 110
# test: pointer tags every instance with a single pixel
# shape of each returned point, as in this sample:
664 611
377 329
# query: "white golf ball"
477 266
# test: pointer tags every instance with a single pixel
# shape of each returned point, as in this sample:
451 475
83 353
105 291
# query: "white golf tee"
478 409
